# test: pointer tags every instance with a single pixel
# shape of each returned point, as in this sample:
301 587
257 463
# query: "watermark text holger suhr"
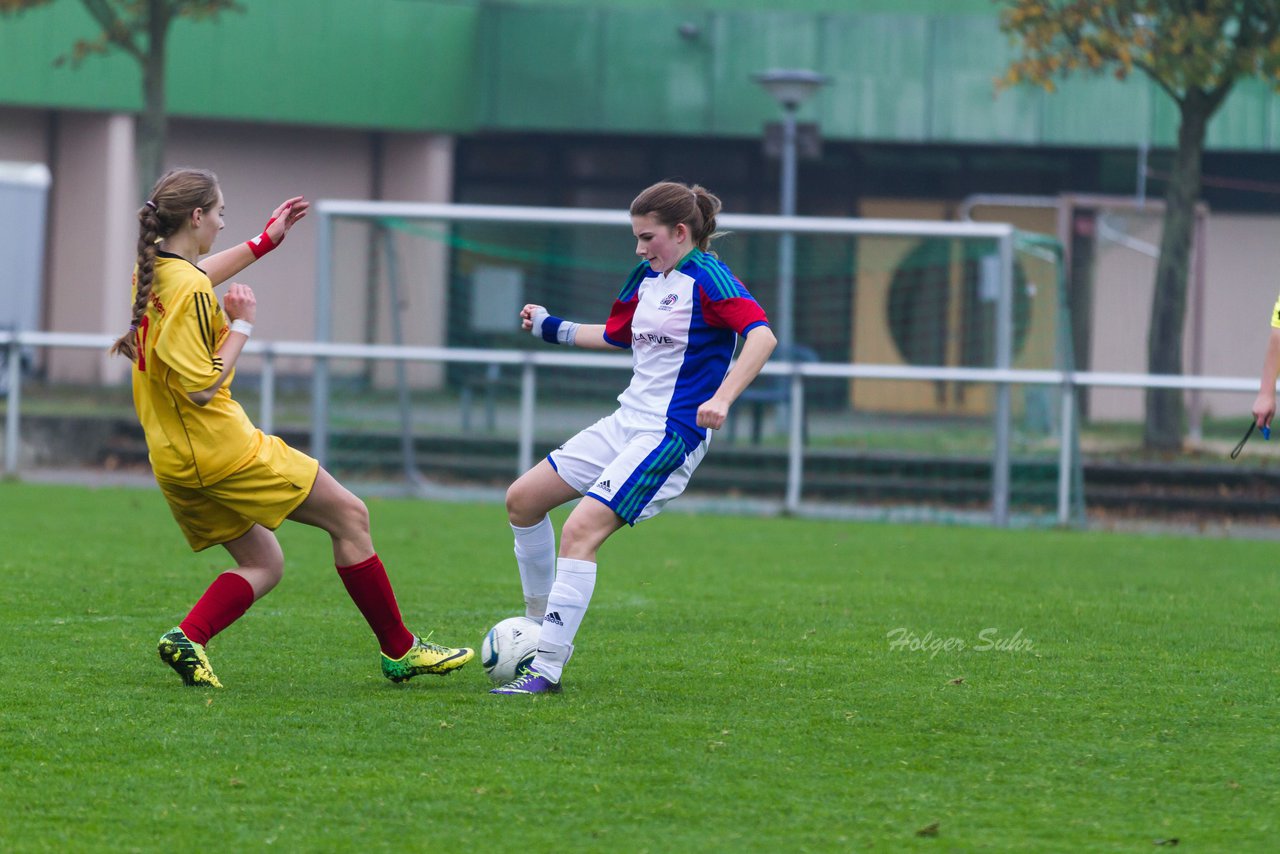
988 640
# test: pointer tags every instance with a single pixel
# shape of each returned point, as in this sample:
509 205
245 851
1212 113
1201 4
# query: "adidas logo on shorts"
604 486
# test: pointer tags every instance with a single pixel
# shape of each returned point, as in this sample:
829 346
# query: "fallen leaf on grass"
929 829
1170 842
957 681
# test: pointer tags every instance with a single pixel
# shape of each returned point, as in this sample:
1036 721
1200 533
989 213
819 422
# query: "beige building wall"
93 233
24 135
1243 281
1242 258
258 168
418 168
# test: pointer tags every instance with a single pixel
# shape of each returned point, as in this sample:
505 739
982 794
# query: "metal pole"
394 299
795 441
267 406
1066 444
528 392
787 240
12 403
324 332
1003 410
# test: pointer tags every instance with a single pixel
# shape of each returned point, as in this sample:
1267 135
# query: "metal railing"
1066 382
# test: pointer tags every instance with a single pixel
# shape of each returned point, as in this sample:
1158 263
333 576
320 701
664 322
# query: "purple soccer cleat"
528 681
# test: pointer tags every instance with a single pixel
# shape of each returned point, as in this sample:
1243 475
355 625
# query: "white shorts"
630 461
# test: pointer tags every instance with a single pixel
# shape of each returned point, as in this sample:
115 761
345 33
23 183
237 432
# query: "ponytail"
708 206
148 235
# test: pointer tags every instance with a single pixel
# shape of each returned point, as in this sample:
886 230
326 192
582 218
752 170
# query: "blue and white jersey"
682 328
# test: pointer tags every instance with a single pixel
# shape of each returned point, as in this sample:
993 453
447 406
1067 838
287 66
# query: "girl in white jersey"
680 313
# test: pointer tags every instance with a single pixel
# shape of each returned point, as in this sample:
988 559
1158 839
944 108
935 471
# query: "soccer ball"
508 646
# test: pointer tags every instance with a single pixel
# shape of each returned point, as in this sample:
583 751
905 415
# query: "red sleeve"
617 329
737 313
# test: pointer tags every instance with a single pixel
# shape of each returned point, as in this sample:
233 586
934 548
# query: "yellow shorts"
264 492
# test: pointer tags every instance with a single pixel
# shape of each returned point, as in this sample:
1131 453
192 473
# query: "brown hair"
173 198
672 203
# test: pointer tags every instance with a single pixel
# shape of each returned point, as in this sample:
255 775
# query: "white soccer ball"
508 646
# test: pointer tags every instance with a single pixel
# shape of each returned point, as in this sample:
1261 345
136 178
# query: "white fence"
1066 383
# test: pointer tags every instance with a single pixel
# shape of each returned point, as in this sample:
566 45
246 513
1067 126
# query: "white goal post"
331 210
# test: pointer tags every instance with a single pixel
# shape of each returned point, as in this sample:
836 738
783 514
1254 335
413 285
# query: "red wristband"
261 245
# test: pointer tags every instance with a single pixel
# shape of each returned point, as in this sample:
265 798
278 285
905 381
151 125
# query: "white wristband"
242 326
567 334
539 314
552 329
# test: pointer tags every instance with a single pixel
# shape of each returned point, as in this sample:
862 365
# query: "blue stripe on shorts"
644 483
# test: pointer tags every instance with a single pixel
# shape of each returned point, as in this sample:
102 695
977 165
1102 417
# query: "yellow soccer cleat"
187 658
425 657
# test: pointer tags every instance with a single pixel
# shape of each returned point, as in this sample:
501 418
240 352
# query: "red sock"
368 586
226 600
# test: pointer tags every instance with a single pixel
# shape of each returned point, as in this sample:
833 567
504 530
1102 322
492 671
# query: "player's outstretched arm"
755 352
228 262
589 336
1264 406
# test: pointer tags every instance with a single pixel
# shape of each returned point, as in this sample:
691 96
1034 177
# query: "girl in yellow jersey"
226 482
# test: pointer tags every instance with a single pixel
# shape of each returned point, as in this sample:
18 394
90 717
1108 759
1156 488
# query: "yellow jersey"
178 340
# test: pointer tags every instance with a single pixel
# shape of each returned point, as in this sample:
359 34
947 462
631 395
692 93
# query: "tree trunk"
153 123
1165 411
1084 230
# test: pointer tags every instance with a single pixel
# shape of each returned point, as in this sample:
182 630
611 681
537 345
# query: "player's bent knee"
516 506
274 564
273 574
582 536
355 515
524 505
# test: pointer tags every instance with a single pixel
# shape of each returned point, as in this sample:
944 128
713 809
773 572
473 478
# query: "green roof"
909 71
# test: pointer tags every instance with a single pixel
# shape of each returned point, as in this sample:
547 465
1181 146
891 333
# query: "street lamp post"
790 87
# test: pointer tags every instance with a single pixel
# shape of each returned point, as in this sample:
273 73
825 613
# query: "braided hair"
173 198
671 203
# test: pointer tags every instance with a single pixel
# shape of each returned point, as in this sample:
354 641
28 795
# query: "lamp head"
791 87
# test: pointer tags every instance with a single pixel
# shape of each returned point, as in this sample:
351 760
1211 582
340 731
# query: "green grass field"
740 685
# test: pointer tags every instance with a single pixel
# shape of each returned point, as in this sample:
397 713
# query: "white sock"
536 558
566 606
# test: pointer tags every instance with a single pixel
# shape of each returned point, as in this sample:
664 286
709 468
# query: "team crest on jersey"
668 302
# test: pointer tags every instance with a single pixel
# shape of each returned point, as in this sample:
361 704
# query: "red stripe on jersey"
617 330
736 313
